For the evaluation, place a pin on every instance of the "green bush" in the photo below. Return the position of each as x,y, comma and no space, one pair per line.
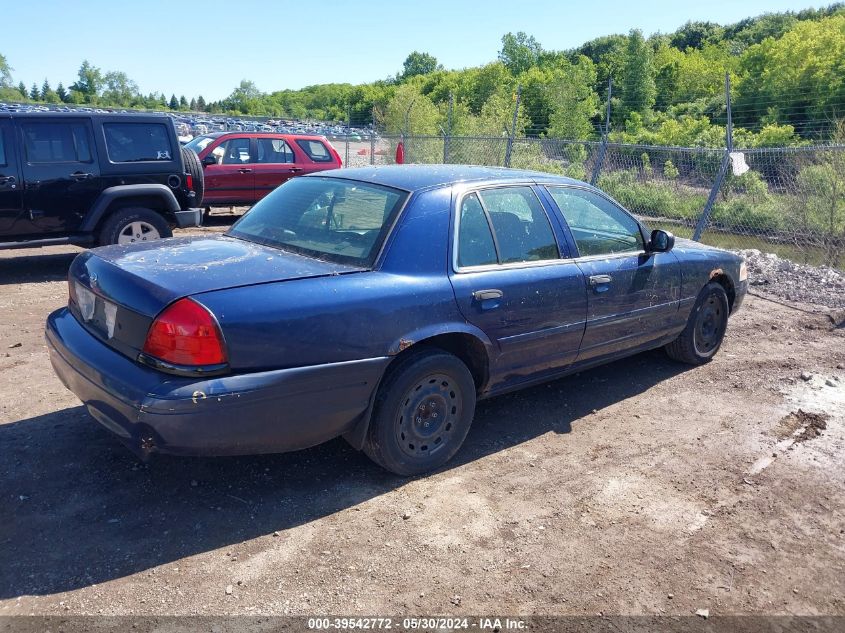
654,198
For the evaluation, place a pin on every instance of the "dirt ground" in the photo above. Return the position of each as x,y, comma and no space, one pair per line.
642,487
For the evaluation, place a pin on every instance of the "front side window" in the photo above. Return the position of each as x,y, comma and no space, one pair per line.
598,226
66,142
234,151
329,218
137,142
274,150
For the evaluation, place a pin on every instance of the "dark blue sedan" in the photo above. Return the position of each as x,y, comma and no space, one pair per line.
378,304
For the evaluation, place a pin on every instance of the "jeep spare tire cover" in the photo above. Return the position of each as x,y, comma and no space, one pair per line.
194,167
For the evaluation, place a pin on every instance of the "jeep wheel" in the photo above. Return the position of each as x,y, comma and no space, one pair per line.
194,168
133,225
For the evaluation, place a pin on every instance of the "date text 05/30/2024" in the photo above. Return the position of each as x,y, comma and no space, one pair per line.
417,623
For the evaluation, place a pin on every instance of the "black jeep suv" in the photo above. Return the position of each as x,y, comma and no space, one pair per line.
88,179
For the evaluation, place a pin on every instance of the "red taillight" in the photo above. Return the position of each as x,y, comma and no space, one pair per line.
189,182
186,334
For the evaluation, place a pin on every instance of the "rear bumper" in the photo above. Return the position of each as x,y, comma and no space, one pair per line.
264,412
190,217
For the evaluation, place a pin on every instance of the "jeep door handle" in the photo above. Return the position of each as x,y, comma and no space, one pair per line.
80,175
7,180
484,295
245,170
597,280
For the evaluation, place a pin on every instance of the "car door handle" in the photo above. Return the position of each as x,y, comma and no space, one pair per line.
80,175
597,280
296,169
484,295
245,170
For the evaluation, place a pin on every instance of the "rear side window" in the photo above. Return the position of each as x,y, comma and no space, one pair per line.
65,142
137,142
523,232
316,150
475,241
274,150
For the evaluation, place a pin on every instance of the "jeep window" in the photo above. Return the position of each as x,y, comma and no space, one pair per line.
199,143
67,142
137,142
316,151
338,220
274,150
3,161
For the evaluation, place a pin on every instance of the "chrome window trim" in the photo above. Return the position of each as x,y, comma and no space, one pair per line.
497,266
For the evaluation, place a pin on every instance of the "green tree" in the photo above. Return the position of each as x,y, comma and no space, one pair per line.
5,73
22,89
174,103
409,112
201,106
192,106
574,102
183,102
418,64
798,79
89,82
638,88
119,89
519,52
244,98
696,35
61,93
34,94
48,94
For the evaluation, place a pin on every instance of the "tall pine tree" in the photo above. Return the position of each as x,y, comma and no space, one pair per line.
638,88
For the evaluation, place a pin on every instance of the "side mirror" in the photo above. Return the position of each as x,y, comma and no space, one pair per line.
210,159
660,242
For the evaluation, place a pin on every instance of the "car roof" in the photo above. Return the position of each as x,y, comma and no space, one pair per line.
419,177
282,135
110,116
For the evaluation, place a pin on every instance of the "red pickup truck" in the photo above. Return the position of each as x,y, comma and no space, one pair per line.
241,168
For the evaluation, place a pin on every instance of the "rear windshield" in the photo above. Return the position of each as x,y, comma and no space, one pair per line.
328,218
316,150
137,142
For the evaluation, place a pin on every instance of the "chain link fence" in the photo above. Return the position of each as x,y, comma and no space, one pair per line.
790,201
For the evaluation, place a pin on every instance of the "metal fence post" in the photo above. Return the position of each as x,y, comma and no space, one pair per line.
512,134
373,139
603,147
448,136
723,168
348,127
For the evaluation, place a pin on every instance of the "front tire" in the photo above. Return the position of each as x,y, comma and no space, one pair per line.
132,226
422,414
705,329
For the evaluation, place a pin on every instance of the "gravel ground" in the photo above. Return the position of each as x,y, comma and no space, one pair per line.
640,487
798,283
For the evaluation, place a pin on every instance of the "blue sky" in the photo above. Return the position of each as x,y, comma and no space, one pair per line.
207,47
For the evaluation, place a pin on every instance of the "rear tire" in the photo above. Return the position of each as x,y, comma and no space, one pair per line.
705,329
193,166
423,411
133,225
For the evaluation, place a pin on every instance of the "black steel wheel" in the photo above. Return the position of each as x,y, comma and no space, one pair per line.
423,412
702,337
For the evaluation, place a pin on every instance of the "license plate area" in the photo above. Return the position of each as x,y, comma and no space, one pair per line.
97,313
